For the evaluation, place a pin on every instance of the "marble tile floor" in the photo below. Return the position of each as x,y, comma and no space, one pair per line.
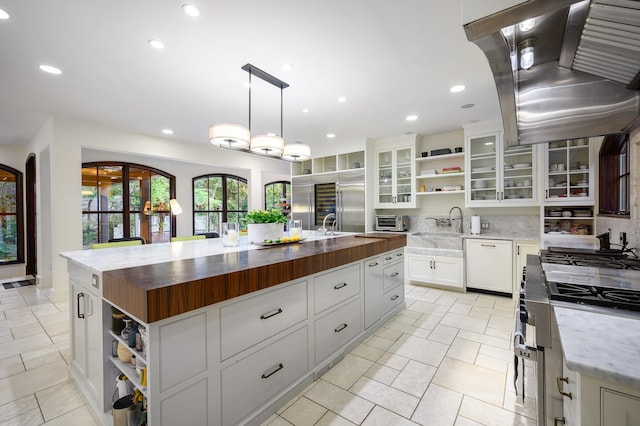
447,359
35,387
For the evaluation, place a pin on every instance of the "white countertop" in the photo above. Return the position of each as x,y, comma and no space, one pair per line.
148,254
602,346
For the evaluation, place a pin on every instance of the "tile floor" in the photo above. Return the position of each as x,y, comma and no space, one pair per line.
445,360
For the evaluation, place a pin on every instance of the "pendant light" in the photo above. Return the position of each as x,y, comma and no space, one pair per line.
228,135
296,151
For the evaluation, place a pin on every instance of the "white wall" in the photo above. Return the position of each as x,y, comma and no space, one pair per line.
63,144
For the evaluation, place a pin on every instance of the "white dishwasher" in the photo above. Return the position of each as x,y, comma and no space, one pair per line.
489,264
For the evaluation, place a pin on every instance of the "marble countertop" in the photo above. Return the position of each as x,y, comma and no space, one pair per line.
600,345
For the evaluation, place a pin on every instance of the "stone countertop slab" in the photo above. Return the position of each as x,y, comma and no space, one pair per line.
427,251
602,346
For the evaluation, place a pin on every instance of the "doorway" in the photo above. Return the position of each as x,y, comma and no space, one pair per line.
31,216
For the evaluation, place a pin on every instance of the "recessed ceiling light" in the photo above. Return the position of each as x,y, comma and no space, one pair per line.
305,110
191,10
50,69
467,106
331,135
456,89
156,44
167,131
412,117
287,67
342,99
3,15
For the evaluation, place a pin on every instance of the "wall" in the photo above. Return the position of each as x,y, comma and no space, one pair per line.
632,225
63,144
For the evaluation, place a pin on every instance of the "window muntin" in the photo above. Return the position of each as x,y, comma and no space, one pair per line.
219,198
11,236
277,195
121,200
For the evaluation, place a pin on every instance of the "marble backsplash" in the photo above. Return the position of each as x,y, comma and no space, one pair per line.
432,231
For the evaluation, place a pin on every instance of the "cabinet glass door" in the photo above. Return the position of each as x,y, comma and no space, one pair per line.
518,175
404,178
568,170
385,177
483,162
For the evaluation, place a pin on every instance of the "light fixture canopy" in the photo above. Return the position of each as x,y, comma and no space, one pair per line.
296,151
229,135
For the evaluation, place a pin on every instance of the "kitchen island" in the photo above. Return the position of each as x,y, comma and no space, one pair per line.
233,334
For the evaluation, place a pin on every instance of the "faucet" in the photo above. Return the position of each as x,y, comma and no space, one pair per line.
461,217
323,230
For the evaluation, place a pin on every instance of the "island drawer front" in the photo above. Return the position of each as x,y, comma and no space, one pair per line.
393,256
336,286
255,379
393,275
253,320
392,298
336,329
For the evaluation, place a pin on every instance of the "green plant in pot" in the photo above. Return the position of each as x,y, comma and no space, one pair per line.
265,225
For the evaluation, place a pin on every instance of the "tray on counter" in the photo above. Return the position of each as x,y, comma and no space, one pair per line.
273,243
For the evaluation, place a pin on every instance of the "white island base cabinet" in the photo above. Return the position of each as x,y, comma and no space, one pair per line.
238,361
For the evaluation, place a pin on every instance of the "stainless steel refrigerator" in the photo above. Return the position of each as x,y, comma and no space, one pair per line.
313,197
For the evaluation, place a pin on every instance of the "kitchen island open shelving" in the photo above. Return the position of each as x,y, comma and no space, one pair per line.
233,334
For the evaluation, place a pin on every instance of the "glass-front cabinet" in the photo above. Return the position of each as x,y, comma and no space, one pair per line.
498,174
395,183
569,166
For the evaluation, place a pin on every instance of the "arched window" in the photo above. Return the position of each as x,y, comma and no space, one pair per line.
11,220
124,200
614,176
219,198
277,195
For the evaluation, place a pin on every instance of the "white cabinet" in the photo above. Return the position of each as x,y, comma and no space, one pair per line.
372,290
439,270
497,174
336,329
329,164
395,169
521,250
336,286
569,172
489,265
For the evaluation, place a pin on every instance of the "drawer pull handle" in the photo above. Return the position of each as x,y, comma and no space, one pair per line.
371,265
388,258
271,314
78,300
395,274
274,371
559,381
340,328
558,421
339,286
399,254
394,297
488,245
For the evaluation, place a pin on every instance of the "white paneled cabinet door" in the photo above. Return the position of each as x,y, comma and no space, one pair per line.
78,328
489,265
94,370
372,290
395,183
420,268
448,271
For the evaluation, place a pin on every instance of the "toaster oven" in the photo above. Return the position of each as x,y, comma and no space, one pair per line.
391,222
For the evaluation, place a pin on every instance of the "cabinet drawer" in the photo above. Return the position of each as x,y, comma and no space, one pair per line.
393,275
253,320
336,329
253,380
336,286
392,256
392,298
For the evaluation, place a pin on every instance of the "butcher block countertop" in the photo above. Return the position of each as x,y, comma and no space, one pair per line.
159,290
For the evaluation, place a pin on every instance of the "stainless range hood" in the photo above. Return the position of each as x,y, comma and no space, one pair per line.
585,75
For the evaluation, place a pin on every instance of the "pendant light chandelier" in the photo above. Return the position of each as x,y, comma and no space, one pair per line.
235,136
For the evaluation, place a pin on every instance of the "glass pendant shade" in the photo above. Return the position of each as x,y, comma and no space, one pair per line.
227,135
271,146
296,152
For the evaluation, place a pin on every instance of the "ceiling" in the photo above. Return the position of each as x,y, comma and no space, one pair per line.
389,59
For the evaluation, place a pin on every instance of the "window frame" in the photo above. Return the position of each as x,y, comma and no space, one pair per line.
126,211
224,211
19,215
614,177
284,184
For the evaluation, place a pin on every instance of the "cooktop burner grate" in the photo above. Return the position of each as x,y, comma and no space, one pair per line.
595,261
590,295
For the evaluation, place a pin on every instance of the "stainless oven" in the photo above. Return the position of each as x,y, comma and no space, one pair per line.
391,222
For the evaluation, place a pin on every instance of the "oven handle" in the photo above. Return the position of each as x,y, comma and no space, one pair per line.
520,347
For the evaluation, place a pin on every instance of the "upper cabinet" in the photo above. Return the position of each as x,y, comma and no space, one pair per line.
569,166
329,164
498,175
395,169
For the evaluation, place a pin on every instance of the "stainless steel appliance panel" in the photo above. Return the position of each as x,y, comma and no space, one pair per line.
350,202
302,201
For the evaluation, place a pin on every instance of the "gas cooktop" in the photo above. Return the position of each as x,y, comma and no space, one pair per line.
594,261
591,295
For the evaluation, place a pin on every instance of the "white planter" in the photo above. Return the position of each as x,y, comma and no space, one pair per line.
258,232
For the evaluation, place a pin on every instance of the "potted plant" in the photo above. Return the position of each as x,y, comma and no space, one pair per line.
265,225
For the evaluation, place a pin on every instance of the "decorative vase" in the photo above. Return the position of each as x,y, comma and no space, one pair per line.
123,353
258,232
